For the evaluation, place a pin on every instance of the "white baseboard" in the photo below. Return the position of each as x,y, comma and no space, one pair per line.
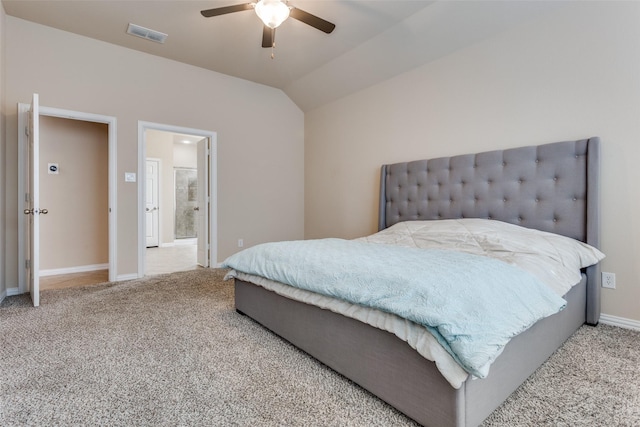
124,277
189,241
71,270
3,295
608,319
13,291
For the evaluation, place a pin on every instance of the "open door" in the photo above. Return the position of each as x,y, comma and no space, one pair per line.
202,210
152,204
32,200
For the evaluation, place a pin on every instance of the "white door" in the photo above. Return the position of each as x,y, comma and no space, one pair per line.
202,210
152,205
32,201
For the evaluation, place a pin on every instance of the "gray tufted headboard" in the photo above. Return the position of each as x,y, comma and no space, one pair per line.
551,187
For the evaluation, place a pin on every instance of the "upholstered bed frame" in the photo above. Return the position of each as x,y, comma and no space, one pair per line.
551,187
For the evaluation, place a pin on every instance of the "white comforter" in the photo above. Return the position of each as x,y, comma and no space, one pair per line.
555,260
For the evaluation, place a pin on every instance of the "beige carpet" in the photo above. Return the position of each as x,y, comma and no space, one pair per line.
170,350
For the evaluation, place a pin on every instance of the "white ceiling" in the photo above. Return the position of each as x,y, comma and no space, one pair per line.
373,40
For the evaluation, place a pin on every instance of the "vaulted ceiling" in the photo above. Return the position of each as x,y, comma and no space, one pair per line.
373,40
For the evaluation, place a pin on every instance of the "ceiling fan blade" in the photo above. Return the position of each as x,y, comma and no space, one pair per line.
312,20
226,9
268,36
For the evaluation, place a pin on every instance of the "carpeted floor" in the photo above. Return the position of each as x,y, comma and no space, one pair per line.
171,350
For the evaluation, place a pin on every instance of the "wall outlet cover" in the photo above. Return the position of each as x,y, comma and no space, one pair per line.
608,280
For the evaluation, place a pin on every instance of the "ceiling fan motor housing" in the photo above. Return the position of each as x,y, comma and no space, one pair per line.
272,12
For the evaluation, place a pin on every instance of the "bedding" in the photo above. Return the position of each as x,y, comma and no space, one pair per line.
556,260
416,336
473,334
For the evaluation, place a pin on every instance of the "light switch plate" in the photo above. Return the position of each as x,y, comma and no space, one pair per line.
129,177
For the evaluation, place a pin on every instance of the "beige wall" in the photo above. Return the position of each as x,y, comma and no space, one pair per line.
3,284
260,131
572,75
185,155
75,232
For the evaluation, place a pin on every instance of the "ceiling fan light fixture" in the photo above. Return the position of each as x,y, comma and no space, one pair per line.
272,12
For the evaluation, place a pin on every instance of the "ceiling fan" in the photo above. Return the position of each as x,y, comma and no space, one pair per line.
273,13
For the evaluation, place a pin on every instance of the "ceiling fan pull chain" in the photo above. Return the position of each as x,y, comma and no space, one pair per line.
273,47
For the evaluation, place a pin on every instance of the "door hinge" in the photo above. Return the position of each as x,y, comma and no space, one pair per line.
27,264
26,130
27,197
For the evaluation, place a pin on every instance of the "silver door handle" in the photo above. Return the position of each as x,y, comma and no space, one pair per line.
196,208
152,209
36,211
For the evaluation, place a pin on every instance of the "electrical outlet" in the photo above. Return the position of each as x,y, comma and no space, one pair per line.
608,280
240,243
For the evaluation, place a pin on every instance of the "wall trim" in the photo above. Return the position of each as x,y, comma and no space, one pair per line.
185,242
124,277
71,270
622,322
14,291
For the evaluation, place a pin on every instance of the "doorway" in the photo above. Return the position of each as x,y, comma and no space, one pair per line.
28,190
178,193
74,188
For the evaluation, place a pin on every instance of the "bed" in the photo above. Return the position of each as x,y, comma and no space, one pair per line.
551,187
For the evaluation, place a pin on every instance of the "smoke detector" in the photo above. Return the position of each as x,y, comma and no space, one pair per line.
146,33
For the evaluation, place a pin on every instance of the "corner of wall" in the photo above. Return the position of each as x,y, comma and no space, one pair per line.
3,180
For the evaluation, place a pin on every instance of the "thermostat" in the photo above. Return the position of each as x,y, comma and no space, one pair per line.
52,168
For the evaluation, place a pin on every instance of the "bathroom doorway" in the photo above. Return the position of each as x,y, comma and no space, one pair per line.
179,199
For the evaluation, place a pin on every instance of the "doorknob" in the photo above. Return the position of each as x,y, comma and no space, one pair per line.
196,208
36,211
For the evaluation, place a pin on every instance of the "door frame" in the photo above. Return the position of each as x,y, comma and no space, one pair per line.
212,237
111,122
